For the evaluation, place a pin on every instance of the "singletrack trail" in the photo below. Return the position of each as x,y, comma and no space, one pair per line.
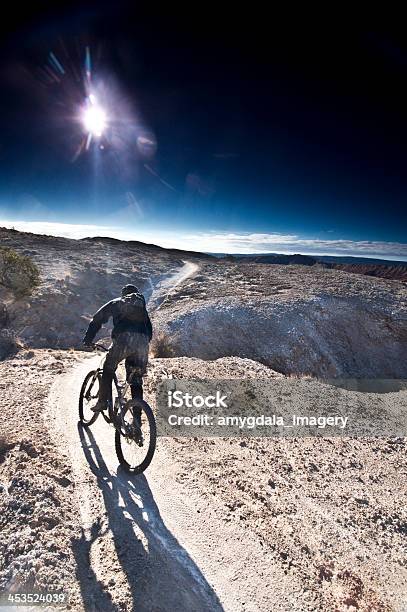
148,543
162,292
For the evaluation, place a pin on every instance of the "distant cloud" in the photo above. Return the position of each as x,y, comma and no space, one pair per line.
221,242
290,243
67,230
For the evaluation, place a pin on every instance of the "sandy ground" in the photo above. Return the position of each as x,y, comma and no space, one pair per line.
234,524
40,526
163,545
215,524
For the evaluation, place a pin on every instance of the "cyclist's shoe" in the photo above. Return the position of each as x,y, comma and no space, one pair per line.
99,406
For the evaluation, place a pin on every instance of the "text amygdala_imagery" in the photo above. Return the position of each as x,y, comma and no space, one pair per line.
252,407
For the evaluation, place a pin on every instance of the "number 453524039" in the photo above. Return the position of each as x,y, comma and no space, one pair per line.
40,599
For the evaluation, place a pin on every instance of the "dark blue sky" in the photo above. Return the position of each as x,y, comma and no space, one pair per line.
261,126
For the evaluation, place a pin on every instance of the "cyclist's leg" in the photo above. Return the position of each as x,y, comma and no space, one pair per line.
113,358
134,377
136,366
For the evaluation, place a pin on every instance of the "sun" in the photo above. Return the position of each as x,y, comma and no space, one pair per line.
94,118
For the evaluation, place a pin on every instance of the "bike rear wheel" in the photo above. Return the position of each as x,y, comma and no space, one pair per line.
88,397
133,451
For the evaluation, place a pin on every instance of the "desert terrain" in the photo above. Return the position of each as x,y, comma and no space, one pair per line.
396,270
231,524
295,319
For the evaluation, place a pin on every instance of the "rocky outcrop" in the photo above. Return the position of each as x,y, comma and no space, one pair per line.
295,319
303,260
378,268
76,278
380,271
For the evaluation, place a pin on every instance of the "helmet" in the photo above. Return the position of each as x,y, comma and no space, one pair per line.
127,289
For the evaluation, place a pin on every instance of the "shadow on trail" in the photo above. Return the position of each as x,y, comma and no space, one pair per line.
159,572
94,596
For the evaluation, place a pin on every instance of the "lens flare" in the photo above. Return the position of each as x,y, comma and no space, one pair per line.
104,119
94,118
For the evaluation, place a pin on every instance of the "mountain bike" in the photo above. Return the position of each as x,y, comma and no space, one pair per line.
135,439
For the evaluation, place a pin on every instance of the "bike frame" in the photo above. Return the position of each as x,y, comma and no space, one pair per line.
125,415
121,388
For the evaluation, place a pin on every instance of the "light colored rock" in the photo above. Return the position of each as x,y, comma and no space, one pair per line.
295,319
76,278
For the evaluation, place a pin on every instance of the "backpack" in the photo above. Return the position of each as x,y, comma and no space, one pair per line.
133,307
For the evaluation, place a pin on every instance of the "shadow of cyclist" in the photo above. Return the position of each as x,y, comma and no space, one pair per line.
159,572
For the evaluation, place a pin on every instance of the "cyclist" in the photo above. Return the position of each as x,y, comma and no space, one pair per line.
131,334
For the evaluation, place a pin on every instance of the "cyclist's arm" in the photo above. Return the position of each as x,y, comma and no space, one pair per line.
149,326
99,318
147,320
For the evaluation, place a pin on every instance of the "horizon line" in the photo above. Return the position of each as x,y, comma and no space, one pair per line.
218,243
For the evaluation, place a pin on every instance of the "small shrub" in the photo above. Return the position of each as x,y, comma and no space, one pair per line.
161,346
9,345
18,272
301,375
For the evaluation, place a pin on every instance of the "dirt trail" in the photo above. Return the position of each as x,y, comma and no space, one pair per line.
148,541
162,292
216,526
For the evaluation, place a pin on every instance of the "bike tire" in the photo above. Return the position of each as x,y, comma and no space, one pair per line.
152,444
82,419
111,414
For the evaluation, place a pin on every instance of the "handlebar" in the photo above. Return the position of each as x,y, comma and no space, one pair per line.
100,347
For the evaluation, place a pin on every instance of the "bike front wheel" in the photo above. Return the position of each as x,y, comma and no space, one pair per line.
135,445
88,397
